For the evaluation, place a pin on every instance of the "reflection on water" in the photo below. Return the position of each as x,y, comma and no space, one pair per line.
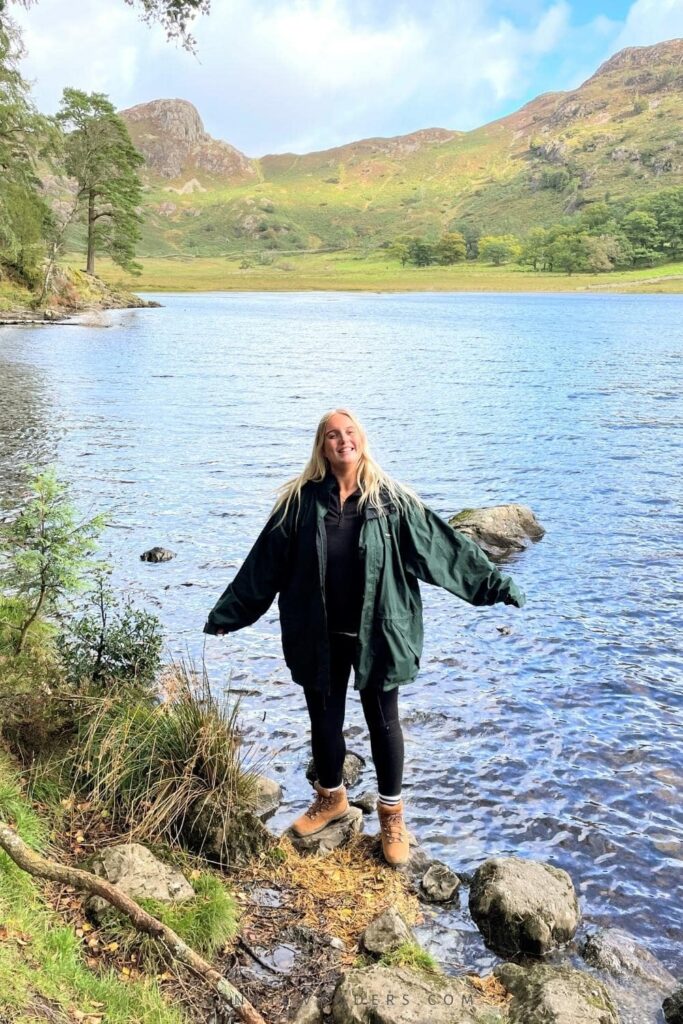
561,740
25,434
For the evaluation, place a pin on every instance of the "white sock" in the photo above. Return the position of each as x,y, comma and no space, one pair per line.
390,800
333,789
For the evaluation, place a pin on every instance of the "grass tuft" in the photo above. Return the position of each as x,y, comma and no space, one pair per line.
155,766
206,923
409,954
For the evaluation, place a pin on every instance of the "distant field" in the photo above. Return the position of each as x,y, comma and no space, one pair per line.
342,272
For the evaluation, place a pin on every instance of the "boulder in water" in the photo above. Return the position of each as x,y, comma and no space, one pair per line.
523,906
560,994
499,530
157,554
353,766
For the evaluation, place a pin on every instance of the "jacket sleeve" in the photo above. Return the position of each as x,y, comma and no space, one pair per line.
436,553
253,589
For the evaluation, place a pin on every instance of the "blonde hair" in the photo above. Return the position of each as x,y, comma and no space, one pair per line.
374,483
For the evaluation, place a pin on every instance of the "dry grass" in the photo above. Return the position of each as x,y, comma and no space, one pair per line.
491,989
340,893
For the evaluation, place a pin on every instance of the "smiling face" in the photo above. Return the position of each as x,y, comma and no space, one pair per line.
343,444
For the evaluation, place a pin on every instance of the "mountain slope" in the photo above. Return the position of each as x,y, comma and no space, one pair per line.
618,136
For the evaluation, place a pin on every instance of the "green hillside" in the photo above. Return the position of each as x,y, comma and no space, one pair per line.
616,138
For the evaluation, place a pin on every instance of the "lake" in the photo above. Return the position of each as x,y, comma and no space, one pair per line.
559,738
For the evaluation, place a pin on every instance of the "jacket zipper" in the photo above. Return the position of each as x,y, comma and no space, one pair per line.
322,567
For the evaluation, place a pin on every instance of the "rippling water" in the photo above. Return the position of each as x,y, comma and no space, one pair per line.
560,740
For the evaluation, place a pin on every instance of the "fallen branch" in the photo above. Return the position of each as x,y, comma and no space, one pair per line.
40,867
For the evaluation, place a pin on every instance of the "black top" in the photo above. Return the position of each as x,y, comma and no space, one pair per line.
344,573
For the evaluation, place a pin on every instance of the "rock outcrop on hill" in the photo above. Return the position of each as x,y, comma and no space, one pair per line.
170,135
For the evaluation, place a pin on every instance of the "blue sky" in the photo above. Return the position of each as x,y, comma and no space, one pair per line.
298,75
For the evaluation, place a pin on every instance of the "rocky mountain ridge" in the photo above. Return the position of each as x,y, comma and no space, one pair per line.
615,137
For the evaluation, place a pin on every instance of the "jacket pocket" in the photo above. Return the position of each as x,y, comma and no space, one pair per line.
395,648
298,645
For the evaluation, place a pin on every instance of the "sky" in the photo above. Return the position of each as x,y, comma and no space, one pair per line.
273,76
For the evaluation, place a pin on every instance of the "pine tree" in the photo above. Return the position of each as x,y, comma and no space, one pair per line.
101,157
25,136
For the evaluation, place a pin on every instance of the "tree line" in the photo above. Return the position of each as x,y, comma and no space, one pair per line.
602,238
77,168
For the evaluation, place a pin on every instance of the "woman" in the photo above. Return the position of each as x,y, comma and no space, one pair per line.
345,547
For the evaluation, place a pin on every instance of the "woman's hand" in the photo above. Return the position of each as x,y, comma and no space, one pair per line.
515,596
214,630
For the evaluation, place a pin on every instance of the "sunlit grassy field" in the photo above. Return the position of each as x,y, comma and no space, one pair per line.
344,272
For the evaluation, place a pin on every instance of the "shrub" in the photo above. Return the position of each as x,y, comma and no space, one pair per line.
115,643
29,716
47,552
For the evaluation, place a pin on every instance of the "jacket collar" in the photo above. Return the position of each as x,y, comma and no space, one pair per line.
324,487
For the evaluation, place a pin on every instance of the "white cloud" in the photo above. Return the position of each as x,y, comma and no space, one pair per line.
95,51
651,21
273,75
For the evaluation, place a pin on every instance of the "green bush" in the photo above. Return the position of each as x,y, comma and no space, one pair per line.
47,552
115,643
30,717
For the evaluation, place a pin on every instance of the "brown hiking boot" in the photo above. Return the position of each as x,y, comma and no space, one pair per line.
328,806
394,834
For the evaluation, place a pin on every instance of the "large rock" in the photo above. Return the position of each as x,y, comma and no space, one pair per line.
399,995
499,530
171,137
138,873
672,1007
231,840
613,950
353,766
337,833
386,933
523,906
267,797
635,978
545,994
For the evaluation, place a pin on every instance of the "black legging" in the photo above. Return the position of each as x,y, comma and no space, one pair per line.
380,708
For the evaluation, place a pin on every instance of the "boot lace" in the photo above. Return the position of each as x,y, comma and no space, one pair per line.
392,827
321,803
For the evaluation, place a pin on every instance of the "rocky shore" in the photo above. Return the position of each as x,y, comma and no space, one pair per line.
73,294
552,966
323,930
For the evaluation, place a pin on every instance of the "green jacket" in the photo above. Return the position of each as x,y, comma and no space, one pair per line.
398,549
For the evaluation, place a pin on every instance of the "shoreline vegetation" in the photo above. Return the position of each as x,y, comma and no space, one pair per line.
76,292
374,272
73,293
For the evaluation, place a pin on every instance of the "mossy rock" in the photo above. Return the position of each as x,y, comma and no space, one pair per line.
231,839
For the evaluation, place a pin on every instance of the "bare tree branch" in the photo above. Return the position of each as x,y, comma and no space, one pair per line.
41,867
